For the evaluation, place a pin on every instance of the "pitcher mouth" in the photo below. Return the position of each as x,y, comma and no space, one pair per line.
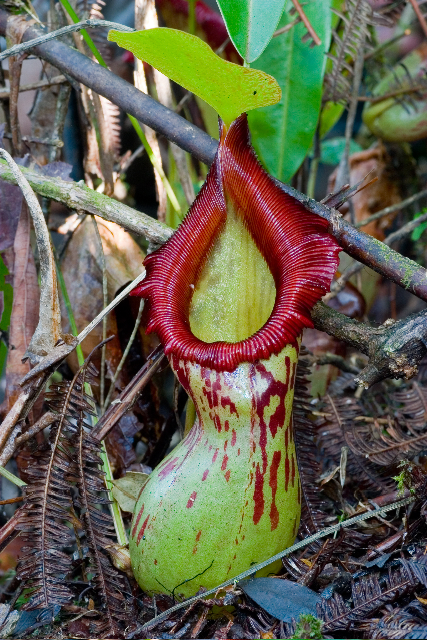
300,253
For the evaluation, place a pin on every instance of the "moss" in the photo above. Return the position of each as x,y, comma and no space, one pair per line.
308,626
405,265
404,479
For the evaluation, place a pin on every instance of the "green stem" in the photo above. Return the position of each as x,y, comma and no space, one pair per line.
155,163
192,17
12,478
114,507
86,37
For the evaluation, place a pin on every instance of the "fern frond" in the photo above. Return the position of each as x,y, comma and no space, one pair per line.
100,533
401,624
368,595
44,566
313,513
338,431
356,21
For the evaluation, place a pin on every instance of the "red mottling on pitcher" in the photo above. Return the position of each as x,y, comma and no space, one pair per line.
295,244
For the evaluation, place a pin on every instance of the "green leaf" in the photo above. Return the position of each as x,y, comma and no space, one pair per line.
418,231
229,88
330,115
283,135
7,290
126,490
331,150
249,25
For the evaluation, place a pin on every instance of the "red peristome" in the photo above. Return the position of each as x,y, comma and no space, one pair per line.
295,244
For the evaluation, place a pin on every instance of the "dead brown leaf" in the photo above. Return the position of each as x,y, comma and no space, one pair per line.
25,309
82,270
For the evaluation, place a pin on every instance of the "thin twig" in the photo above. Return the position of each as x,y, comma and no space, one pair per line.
47,141
299,545
287,27
18,49
391,209
113,304
128,396
405,230
306,22
125,354
128,161
355,267
392,94
40,84
104,320
16,440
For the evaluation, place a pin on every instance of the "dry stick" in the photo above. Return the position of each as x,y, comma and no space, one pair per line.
16,439
125,354
14,415
104,320
18,49
128,161
299,545
405,230
306,22
50,359
113,304
79,197
48,330
128,396
40,84
419,15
